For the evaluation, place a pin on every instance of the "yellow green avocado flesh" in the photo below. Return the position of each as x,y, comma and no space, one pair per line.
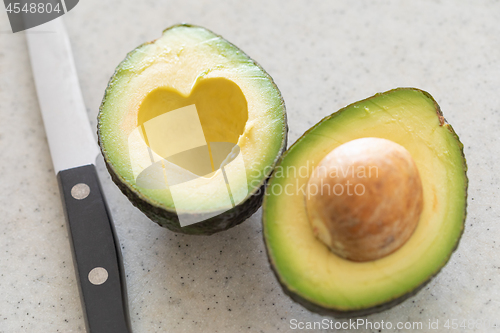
236,101
324,282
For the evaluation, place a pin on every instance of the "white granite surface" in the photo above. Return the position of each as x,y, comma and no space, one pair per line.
322,55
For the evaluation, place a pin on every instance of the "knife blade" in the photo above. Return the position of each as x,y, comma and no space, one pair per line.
95,247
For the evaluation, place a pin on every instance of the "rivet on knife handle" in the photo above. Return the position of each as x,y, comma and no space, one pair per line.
96,251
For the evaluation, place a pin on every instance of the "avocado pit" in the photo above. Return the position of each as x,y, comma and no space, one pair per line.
364,199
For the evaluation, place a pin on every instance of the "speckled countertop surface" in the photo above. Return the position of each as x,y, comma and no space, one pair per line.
322,55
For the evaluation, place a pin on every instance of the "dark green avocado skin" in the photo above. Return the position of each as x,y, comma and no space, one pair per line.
313,307
168,219
336,313
221,222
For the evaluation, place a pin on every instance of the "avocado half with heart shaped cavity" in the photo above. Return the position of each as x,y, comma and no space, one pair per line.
191,128
367,206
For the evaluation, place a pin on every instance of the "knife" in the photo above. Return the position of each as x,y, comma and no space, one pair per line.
96,251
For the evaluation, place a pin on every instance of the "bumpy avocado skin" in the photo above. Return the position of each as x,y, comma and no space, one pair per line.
313,307
167,218
338,313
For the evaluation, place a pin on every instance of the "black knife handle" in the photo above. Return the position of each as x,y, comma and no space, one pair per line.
96,251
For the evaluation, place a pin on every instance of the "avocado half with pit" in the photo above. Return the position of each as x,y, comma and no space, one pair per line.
192,127
353,250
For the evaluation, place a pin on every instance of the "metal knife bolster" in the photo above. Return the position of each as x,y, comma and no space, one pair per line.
96,252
